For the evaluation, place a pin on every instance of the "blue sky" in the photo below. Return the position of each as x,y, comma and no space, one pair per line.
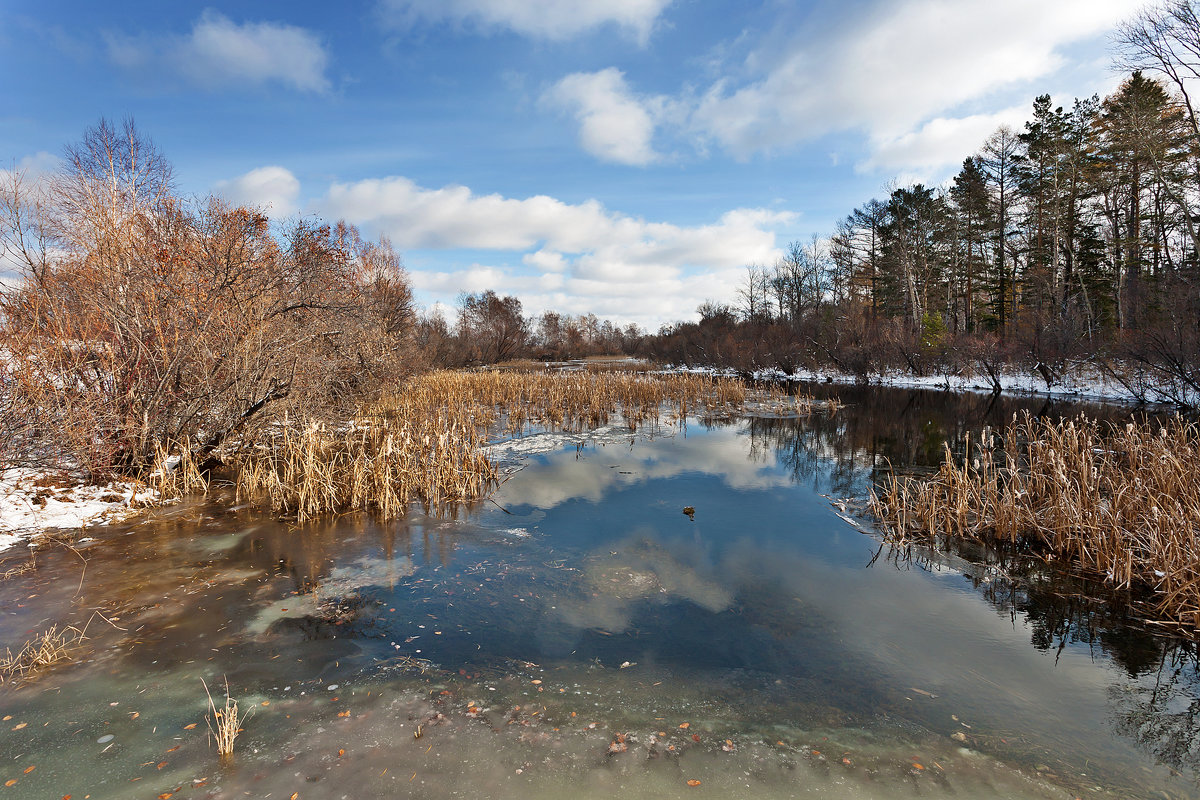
623,157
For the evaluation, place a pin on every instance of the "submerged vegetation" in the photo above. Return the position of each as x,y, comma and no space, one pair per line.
426,443
1122,501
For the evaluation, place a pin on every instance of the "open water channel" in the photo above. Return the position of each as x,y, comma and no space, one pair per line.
579,635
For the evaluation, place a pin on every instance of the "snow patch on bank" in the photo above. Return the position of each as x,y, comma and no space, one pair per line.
1078,386
1083,384
541,443
32,502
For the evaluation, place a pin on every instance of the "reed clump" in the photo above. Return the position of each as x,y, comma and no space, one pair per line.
224,724
53,646
176,471
427,442
1122,501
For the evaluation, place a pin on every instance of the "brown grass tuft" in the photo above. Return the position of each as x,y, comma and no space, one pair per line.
1120,501
225,723
426,442
176,472
53,646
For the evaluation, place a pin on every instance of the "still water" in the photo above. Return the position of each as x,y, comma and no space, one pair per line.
578,634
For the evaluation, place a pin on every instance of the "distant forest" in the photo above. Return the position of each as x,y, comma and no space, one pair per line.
1074,238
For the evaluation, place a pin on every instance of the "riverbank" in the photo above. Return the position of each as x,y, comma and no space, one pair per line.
1083,384
32,502
424,444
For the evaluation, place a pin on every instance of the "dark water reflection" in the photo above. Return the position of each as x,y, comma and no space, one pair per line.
828,662
847,454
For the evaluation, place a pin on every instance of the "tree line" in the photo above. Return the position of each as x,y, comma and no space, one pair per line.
1073,237
490,329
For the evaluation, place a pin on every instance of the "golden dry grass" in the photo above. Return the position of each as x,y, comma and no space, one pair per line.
426,443
176,472
53,646
1120,501
224,724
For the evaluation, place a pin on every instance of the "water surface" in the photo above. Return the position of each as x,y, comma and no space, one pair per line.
579,633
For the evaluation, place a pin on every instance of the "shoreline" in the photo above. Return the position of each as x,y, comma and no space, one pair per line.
1090,389
33,502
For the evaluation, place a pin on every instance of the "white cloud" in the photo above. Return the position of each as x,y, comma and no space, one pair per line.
939,143
221,53
273,188
544,19
910,61
37,166
613,124
454,217
546,261
583,256
914,76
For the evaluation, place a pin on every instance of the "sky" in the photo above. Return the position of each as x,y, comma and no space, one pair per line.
627,158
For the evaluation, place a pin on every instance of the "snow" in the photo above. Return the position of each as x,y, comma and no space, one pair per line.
27,508
1080,384
543,442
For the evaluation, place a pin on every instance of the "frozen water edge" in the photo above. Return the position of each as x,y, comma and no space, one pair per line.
27,508
1078,386
542,442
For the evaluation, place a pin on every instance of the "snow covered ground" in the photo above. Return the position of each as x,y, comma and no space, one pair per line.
31,502
1083,384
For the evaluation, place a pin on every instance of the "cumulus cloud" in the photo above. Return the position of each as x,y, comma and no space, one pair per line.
273,188
911,76
938,142
455,217
573,258
910,61
543,19
613,124
220,53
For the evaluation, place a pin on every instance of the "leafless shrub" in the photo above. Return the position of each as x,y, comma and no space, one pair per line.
142,318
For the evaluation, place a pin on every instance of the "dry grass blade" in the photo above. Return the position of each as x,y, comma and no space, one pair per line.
176,472
225,723
53,646
426,443
1120,501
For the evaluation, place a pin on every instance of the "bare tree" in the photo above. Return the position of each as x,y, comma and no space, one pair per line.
753,294
492,326
1165,38
147,319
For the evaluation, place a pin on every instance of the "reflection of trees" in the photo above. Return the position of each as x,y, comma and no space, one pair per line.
1163,715
881,429
1157,704
307,554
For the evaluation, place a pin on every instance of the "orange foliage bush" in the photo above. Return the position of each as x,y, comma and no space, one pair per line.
142,318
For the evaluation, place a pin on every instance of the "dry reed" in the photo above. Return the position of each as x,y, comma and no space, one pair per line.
225,723
52,646
426,443
175,475
1120,501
